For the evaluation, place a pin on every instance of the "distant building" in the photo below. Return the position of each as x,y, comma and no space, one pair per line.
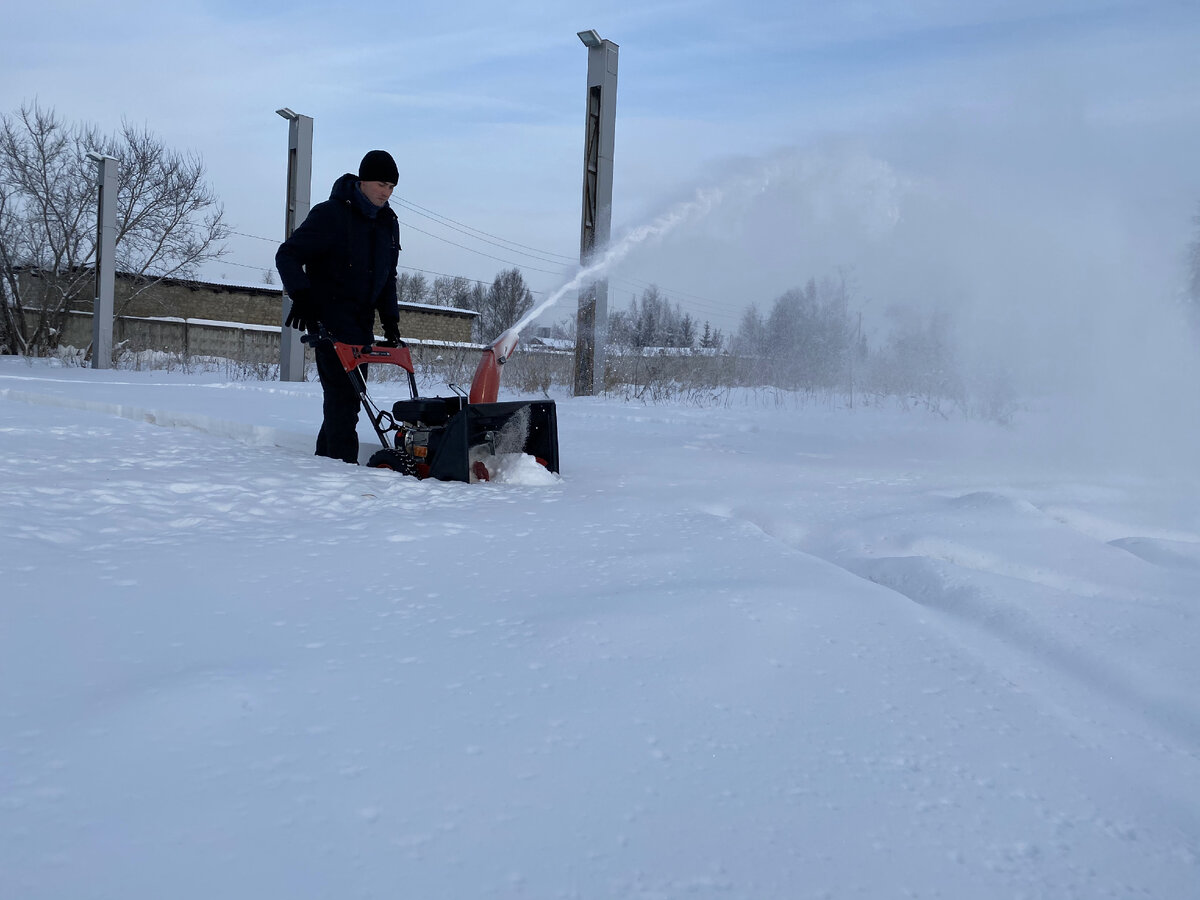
542,341
188,316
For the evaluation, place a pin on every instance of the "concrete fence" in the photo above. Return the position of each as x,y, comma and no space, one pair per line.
225,340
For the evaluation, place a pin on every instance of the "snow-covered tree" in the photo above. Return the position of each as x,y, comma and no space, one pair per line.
918,360
652,321
805,340
750,341
712,338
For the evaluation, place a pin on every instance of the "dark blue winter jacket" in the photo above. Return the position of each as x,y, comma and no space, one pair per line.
345,259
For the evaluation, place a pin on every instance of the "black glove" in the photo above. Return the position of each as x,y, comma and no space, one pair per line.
303,314
391,334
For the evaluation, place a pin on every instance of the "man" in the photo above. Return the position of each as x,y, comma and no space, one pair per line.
339,268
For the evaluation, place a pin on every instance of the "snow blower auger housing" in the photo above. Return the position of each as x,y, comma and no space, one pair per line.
451,438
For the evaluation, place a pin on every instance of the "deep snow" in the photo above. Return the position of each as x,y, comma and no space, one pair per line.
754,652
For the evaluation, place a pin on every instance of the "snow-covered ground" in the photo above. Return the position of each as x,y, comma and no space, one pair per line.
746,652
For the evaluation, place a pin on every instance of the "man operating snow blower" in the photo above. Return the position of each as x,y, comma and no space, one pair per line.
339,269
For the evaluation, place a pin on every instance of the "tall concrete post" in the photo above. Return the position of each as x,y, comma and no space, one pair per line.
106,249
299,198
591,321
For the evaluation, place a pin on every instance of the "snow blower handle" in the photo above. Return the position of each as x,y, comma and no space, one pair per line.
352,356
315,340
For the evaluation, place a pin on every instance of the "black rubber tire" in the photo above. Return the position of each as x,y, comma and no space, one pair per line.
396,460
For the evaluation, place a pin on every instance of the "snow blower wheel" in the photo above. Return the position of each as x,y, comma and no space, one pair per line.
396,460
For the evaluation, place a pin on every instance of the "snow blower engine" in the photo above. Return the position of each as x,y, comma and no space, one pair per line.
451,438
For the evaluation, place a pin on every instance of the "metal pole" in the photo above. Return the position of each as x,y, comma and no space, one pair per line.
299,196
591,323
106,249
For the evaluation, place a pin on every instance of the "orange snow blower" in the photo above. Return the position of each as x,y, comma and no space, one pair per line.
451,438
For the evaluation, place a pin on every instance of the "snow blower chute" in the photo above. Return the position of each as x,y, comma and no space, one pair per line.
452,438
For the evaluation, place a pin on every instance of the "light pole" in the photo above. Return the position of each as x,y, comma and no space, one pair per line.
299,196
106,249
591,322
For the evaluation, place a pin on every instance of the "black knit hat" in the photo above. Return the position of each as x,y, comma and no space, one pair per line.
378,165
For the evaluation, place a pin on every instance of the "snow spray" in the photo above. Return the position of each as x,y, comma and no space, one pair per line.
700,205
485,385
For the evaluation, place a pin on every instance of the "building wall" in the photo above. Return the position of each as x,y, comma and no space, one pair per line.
262,307
428,323
202,301
228,340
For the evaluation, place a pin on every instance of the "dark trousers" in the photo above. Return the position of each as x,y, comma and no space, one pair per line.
338,437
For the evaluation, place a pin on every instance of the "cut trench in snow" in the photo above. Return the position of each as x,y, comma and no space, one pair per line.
945,588
250,435
1181,555
974,596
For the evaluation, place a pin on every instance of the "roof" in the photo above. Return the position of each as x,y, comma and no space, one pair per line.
274,290
261,290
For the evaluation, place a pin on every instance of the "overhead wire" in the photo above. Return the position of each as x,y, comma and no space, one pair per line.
470,231
514,247
487,237
473,250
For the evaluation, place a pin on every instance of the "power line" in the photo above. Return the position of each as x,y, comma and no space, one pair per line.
227,262
437,237
480,252
668,294
463,277
713,306
471,231
486,236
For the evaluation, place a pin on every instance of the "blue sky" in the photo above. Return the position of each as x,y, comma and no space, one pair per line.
1050,128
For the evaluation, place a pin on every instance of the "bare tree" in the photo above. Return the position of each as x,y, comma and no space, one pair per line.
169,221
503,305
918,363
412,288
750,341
451,290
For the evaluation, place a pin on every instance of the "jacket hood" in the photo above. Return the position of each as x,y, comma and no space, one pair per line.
344,191
343,188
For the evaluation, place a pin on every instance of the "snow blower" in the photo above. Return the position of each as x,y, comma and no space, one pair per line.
451,438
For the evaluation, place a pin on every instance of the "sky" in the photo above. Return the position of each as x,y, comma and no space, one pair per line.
941,153
771,650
